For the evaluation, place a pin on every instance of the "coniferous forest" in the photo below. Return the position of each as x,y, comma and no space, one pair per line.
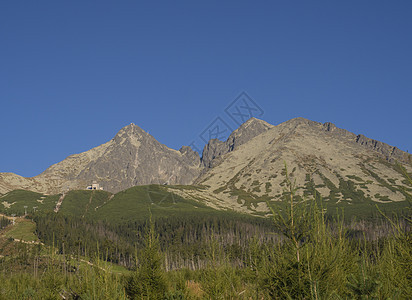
299,252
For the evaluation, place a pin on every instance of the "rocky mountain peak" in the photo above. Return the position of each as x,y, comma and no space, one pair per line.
328,126
131,133
190,156
247,131
130,130
299,121
136,158
252,125
254,120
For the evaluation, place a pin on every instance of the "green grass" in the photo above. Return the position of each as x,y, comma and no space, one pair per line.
354,177
20,198
136,202
367,210
86,262
23,230
83,203
114,268
129,205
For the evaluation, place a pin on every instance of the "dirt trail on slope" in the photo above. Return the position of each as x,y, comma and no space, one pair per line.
108,200
90,202
59,203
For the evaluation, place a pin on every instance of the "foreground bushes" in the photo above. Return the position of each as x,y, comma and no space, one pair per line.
323,264
87,283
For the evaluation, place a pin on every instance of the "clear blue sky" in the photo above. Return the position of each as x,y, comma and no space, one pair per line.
72,73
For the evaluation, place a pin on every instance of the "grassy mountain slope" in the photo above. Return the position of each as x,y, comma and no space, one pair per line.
14,202
83,202
135,204
132,204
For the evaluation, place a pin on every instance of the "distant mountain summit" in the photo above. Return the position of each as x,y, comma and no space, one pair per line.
132,157
242,172
248,130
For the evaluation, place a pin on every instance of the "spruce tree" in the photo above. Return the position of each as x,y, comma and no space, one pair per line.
148,281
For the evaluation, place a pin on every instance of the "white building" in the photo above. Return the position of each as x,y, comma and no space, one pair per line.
95,186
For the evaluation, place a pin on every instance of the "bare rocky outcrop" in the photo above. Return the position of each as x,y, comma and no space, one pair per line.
390,153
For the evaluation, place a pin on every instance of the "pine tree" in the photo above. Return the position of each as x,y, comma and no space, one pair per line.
148,281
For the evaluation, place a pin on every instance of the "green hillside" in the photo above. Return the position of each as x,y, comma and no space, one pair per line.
83,203
129,205
15,202
135,203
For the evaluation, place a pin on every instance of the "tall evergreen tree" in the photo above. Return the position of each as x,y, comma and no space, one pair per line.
148,281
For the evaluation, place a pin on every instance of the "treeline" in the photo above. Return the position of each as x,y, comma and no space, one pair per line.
183,239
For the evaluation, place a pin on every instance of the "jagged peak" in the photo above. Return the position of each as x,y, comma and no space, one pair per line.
252,123
254,120
187,149
247,131
131,133
130,130
300,123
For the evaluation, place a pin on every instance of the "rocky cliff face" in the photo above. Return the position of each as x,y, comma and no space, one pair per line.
390,153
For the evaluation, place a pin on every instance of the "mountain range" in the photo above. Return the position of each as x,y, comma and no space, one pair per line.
243,172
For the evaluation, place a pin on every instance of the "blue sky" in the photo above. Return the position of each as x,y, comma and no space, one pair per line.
72,73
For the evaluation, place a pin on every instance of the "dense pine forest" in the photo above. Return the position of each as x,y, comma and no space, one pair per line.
297,253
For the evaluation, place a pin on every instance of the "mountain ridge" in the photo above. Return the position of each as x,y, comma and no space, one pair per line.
134,157
332,165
